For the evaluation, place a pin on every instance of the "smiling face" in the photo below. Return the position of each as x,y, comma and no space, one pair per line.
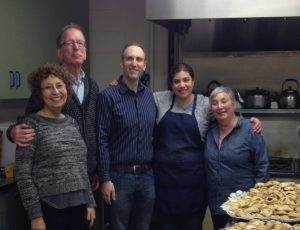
182,84
72,50
54,93
133,63
223,108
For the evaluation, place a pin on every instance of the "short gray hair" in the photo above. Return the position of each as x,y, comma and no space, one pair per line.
222,89
65,28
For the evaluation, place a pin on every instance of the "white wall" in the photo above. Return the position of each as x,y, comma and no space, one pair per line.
113,24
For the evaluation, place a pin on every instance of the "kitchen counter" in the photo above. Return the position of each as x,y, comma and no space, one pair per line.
12,213
286,178
6,183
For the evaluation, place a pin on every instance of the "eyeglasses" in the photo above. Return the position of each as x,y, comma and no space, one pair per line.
80,44
51,88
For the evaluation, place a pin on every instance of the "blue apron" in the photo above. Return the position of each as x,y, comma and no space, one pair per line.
179,164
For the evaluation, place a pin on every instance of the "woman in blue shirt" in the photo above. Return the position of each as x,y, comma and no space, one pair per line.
236,157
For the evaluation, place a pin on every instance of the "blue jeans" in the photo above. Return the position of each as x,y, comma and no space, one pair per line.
135,194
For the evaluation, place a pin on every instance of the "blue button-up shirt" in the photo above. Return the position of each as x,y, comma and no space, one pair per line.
125,123
239,163
78,88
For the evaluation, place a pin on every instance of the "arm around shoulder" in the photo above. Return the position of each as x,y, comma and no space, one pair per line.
21,134
14,134
8,132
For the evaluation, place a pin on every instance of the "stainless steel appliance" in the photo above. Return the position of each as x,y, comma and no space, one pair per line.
213,25
257,99
289,98
286,168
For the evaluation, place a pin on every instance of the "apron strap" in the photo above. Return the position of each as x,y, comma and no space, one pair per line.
173,101
194,103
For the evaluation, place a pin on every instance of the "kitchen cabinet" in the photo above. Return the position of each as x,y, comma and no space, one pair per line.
28,34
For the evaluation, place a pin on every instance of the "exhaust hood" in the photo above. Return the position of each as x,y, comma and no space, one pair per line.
231,25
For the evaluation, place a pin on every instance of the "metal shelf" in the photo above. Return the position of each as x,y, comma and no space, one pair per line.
271,112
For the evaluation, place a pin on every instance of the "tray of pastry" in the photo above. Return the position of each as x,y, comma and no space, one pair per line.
264,225
272,200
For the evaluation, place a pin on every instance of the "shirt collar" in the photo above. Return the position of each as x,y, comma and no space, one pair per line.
123,88
82,76
240,116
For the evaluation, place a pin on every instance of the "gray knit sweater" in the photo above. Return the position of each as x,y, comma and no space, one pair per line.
53,164
84,114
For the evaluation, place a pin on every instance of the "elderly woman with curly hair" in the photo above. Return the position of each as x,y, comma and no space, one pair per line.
52,171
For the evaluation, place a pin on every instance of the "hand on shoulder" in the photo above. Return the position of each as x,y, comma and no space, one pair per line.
22,135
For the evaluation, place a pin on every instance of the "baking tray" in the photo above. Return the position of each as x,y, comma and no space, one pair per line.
238,194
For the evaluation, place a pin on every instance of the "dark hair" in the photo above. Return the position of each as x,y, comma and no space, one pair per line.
178,68
43,72
132,44
67,27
